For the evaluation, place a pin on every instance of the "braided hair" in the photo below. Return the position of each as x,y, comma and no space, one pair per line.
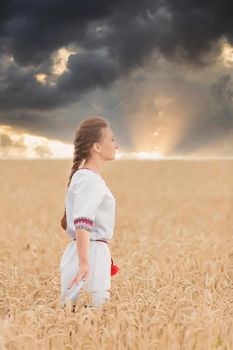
87,133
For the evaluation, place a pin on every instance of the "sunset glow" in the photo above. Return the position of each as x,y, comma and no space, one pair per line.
18,144
227,54
23,145
59,66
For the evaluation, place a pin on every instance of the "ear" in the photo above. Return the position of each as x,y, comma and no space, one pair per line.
97,147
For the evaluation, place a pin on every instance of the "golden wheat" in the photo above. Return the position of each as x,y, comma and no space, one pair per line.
172,241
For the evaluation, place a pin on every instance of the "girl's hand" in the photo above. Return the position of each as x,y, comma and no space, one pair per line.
83,273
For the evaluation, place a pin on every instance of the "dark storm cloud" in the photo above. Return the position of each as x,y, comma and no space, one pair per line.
127,32
112,40
217,123
38,123
85,70
222,91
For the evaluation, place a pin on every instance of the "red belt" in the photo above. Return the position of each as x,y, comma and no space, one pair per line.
101,240
114,268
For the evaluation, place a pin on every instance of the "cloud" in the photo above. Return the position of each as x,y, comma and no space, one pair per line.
111,40
43,151
11,146
216,120
111,64
5,141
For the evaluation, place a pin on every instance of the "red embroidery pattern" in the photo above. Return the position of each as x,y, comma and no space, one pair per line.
83,222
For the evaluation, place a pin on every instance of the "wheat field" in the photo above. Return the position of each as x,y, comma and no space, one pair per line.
173,242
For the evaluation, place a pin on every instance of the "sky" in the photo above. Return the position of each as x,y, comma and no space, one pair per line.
161,72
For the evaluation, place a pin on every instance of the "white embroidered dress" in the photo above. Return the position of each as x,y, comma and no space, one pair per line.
90,205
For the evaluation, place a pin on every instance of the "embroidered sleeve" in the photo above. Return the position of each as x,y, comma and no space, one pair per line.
88,194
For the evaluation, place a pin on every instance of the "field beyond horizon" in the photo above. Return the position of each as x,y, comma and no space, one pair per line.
173,242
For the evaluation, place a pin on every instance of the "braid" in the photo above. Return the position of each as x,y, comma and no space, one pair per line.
77,160
76,164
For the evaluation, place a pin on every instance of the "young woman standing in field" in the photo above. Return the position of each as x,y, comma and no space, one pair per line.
89,214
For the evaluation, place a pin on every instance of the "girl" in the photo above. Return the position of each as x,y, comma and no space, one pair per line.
89,213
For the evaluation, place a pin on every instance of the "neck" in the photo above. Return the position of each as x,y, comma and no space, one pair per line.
94,164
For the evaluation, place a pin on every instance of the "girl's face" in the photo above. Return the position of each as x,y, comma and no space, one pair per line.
108,144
